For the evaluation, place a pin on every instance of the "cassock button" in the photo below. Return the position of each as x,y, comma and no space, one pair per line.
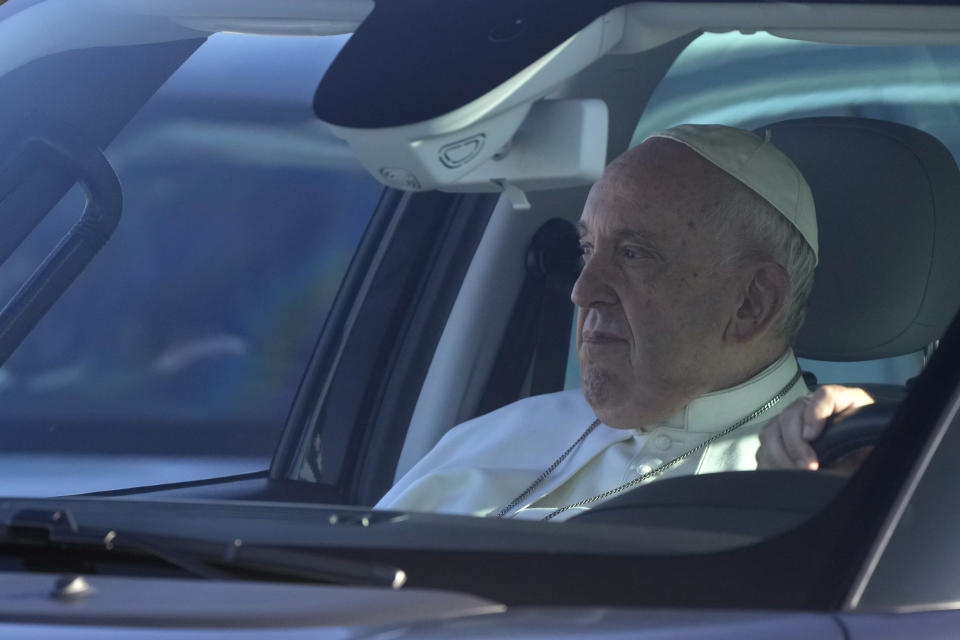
662,442
646,466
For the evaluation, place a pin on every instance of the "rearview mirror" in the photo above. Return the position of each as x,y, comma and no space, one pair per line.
478,120
559,143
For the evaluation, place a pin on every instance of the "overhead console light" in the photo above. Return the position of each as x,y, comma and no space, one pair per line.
551,143
473,118
560,143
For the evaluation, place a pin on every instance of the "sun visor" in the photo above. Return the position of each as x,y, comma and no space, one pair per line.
483,133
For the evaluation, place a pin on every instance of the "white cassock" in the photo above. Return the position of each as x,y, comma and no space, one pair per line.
482,465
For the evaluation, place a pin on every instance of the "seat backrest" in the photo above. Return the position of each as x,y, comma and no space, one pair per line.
888,208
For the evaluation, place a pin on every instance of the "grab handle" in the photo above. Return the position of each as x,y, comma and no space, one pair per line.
45,154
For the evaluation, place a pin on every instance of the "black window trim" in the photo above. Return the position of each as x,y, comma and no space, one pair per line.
319,372
382,330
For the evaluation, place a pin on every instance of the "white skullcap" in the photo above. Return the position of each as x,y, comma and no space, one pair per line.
759,165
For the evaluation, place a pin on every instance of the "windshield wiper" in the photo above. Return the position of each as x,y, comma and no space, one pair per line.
33,528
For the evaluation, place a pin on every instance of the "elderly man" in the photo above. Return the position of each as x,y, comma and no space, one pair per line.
699,247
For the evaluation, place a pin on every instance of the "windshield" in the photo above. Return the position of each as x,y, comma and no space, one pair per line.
184,341
272,341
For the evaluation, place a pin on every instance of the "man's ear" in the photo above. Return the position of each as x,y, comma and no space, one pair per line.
764,299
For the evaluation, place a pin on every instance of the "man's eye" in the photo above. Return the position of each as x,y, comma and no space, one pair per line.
585,252
632,253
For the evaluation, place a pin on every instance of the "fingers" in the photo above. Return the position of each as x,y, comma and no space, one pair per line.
772,453
796,444
784,441
831,400
782,445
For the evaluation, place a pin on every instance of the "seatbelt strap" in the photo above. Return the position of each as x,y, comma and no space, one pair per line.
553,338
539,330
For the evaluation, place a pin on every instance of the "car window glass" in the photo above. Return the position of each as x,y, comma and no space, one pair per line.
185,339
918,566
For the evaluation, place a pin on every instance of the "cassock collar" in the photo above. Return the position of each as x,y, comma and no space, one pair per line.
722,408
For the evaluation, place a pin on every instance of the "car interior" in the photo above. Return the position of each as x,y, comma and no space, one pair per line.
876,184
494,319
456,182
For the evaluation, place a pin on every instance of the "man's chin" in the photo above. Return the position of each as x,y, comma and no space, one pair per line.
612,402
597,385
604,395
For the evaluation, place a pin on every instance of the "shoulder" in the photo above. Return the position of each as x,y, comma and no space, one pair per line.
511,435
498,447
533,416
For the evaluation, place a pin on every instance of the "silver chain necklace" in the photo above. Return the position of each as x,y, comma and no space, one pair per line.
663,467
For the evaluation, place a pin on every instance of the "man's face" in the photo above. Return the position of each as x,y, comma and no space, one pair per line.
655,296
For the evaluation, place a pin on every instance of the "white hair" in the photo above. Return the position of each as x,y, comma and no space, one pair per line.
766,234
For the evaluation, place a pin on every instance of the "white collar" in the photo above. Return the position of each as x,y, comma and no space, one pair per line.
719,409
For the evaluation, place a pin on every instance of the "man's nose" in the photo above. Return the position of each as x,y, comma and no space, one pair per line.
593,286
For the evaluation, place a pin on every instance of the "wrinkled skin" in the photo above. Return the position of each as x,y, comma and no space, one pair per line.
667,312
660,299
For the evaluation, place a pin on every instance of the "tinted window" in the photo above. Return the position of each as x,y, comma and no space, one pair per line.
189,333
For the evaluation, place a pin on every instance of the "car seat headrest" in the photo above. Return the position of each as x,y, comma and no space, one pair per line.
888,209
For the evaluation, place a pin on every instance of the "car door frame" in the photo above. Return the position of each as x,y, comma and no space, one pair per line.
349,418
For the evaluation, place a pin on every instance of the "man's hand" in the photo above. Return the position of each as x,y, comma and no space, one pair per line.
784,440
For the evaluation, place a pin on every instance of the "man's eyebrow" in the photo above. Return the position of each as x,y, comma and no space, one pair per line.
622,234
632,234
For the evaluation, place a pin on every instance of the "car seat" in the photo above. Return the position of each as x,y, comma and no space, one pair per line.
888,210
